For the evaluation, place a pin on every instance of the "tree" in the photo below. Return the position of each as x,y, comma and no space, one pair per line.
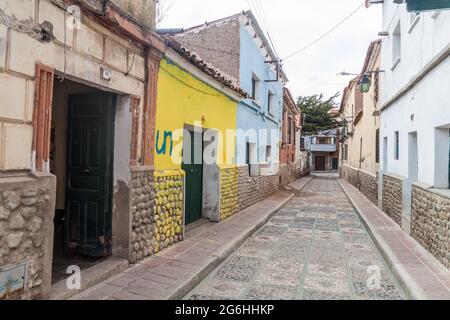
316,112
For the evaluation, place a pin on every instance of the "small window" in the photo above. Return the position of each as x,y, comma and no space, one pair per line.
376,86
289,130
324,140
377,146
268,153
270,102
397,145
396,46
302,144
255,88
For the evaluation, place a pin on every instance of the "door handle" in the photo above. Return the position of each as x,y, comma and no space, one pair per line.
86,171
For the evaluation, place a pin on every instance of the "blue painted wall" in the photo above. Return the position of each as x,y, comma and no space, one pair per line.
252,115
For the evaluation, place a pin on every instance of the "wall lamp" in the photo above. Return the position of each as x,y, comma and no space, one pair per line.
364,80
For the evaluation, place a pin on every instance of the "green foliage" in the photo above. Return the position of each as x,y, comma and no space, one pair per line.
316,113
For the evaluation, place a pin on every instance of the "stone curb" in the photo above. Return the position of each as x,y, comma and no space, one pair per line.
407,282
214,261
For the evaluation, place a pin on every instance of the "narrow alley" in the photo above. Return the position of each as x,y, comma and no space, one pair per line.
314,248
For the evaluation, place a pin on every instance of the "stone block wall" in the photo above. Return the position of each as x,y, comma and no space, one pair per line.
365,182
430,222
169,187
368,185
393,198
228,192
252,190
157,210
26,232
351,175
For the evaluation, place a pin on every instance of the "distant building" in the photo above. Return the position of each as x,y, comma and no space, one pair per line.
359,139
290,166
323,150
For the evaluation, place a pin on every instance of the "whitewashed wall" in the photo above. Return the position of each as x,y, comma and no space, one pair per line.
425,108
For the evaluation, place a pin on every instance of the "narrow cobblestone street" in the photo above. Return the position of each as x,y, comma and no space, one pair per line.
314,248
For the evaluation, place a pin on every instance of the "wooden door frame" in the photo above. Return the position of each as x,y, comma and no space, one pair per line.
42,117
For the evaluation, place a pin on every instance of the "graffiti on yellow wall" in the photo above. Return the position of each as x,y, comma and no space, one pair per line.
185,101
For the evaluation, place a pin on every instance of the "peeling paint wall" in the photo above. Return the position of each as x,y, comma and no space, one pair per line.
88,49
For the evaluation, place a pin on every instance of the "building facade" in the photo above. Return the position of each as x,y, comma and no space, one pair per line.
195,111
415,125
359,147
237,47
323,150
290,158
76,129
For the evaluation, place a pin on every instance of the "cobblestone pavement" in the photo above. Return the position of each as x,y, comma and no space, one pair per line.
316,248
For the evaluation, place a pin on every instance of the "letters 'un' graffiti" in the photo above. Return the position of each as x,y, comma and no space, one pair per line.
163,148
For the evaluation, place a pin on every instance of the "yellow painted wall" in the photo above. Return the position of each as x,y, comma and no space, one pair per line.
184,99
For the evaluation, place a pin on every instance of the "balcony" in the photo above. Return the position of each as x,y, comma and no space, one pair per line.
323,148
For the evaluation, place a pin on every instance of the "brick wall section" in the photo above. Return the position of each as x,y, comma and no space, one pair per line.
218,45
252,190
430,223
26,232
368,185
228,192
157,203
392,198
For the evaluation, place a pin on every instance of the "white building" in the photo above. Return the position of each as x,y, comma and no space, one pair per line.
323,150
415,123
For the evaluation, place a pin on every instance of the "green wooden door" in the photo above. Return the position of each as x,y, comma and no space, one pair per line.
194,177
89,174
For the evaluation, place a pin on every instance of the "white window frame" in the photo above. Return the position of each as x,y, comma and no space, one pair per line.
257,97
270,101
414,18
396,45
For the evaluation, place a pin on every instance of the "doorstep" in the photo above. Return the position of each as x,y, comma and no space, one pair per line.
419,273
90,277
174,272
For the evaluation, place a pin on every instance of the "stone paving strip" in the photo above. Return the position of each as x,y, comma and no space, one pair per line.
421,275
177,270
315,248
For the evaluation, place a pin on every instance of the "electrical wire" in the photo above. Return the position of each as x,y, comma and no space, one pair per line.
326,33
187,84
268,28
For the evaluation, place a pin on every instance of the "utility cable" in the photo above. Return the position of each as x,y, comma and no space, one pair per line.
326,33
187,84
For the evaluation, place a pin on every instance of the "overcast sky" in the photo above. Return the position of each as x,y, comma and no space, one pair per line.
293,25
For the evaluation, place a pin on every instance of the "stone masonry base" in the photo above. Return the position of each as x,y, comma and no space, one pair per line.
393,198
365,182
27,206
430,222
157,209
254,189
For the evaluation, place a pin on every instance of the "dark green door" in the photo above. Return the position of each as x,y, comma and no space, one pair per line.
193,166
89,174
